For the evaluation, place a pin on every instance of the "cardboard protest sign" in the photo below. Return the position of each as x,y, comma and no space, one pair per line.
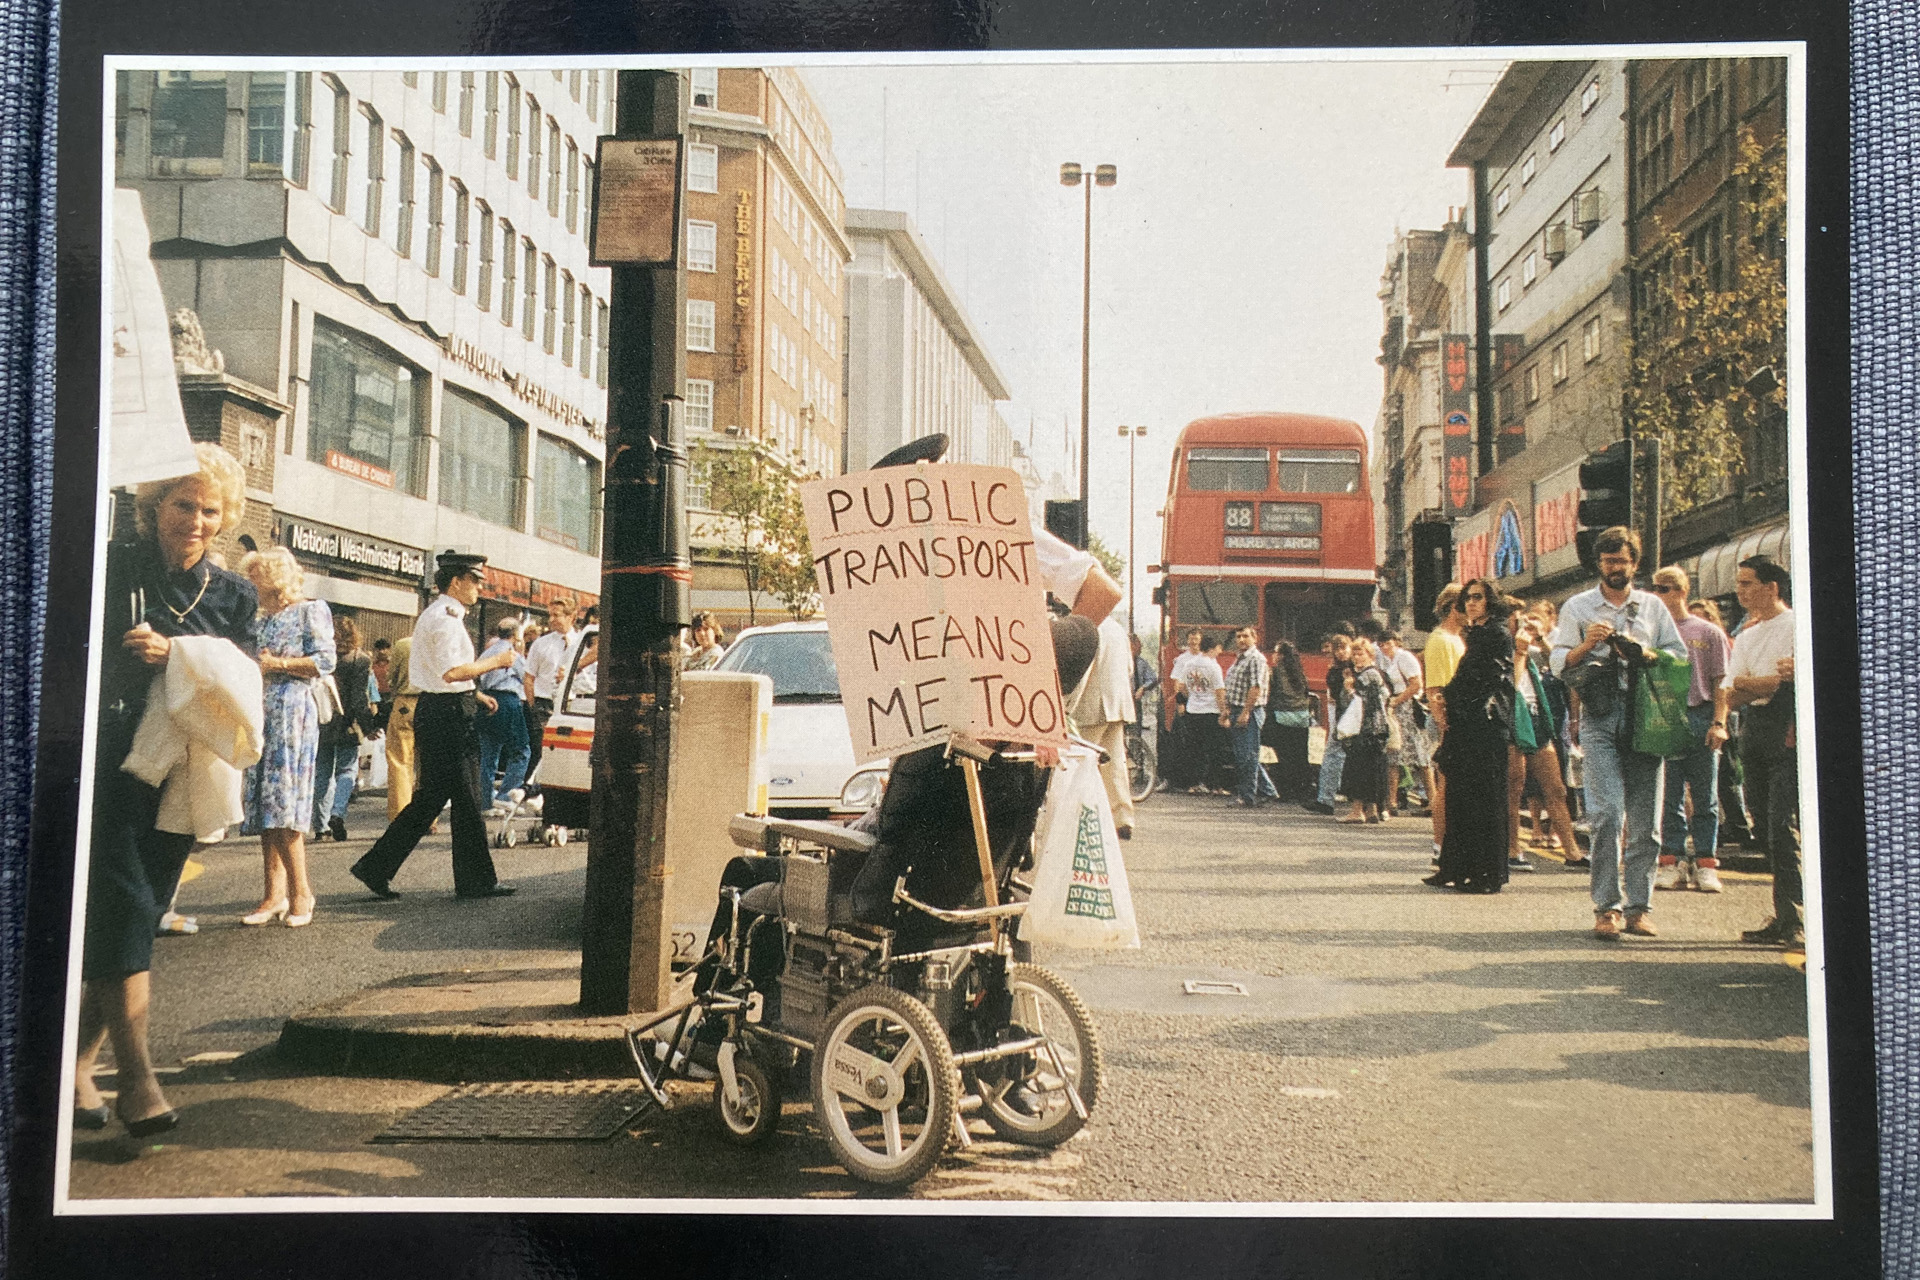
934,605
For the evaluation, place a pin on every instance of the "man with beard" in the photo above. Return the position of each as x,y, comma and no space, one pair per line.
1603,633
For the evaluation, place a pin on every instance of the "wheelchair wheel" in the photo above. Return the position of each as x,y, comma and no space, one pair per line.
1025,1099
884,1086
753,1117
1142,765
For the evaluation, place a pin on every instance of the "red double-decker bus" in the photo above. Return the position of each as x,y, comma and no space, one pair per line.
1269,522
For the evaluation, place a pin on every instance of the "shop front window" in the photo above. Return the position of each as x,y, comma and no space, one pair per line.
481,450
189,121
368,410
569,496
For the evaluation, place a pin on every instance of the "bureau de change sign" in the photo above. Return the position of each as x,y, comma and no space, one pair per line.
934,605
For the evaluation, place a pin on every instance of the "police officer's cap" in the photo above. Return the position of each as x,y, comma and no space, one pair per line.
926,449
460,561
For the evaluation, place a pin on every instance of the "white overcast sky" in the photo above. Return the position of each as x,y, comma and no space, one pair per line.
1235,265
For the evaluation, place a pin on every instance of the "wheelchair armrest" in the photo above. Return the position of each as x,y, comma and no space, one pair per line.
829,835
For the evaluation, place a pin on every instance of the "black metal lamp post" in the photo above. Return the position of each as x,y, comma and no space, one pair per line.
1071,176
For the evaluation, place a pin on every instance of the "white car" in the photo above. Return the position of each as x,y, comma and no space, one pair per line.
811,770
810,766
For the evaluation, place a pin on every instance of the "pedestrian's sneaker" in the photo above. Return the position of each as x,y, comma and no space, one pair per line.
1607,925
1519,865
1669,874
1706,875
1639,926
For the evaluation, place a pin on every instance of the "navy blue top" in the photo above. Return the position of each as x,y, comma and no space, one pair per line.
201,601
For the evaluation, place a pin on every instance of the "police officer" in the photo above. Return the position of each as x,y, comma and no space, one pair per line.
447,747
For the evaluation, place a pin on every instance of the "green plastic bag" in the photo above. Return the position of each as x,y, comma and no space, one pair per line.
1660,726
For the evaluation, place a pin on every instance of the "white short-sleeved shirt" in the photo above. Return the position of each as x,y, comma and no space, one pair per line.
1063,567
440,643
1200,674
1400,668
547,660
1758,648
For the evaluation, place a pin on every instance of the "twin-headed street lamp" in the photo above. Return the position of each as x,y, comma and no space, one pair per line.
1132,435
1071,175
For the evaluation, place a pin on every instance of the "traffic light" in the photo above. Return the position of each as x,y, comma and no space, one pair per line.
1067,521
1606,497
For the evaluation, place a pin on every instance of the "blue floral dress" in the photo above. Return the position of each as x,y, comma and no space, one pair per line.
279,789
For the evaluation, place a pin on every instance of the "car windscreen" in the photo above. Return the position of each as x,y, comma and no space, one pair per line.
800,664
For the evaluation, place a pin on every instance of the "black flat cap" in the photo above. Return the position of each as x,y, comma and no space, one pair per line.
462,561
926,449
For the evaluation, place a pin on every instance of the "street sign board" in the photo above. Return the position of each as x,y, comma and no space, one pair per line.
1456,433
636,206
934,605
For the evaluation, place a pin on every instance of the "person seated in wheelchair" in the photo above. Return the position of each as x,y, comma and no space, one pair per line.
923,829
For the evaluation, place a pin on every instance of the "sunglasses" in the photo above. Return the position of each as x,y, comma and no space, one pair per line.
1474,595
1666,589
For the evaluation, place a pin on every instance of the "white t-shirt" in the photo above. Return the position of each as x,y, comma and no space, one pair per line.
1399,669
440,643
1758,648
547,661
1200,674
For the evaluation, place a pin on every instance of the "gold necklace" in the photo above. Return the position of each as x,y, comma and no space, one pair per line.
180,615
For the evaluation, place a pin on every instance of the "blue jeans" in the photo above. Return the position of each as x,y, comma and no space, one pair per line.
334,768
1699,772
503,745
1623,791
1251,780
1332,765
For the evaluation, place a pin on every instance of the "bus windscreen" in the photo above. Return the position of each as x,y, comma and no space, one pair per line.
1232,470
1319,470
1217,604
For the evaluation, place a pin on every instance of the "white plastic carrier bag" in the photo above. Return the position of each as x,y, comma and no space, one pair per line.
1080,895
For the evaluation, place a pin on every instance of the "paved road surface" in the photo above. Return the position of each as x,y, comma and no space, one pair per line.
1394,1042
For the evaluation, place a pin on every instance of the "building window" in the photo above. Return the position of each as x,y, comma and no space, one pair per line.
568,484
1529,270
490,131
1556,135
573,185
699,325
411,79
440,91
1506,405
436,215
566,318
1707,251
267,120
1764,75
484,291
302,127
530,298
533,148
600,361
480,452
1557,363
1590,340
509,271
466,104
459,236
586,332
342,146
1502,200
403,213
703,167
699,414
1653,139
188,121
706,87
513,128
702,241
366,406
1706,104
1503,295
553,167
593,95
550,328
376,169
1528,168
573,85
1590,95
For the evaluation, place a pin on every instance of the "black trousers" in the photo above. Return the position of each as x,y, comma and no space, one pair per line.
447,768
1772,766
539,711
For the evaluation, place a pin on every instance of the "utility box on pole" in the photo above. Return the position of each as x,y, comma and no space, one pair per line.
645,572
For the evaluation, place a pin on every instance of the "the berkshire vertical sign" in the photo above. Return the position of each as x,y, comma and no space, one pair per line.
934,606
1456,430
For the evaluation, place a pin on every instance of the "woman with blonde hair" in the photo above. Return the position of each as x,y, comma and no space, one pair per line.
295,638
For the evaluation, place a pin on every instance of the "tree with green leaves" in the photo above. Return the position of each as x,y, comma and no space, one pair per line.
1713,317
763,526
1110,560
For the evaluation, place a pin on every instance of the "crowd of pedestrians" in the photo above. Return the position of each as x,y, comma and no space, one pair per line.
1518,718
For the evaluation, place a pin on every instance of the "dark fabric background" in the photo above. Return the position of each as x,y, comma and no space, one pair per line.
1886,335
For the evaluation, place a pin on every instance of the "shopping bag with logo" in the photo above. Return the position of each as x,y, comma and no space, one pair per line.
1660,726
1316,745
1080,895
1351,719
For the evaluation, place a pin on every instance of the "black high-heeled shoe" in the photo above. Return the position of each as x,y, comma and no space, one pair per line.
153,1126
91,1117
1439,880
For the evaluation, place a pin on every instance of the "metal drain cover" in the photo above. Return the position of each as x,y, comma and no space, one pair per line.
1213,987
524,1111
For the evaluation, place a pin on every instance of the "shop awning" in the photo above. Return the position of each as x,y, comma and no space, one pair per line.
1712,572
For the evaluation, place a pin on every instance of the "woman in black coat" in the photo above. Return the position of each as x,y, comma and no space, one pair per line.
1289,714
1479,700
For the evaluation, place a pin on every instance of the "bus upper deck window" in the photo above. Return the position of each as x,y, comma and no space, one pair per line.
1319,471
1233,470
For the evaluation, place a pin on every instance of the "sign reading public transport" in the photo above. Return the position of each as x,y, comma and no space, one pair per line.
934,605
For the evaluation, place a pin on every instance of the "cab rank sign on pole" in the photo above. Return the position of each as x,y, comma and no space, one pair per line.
934,606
